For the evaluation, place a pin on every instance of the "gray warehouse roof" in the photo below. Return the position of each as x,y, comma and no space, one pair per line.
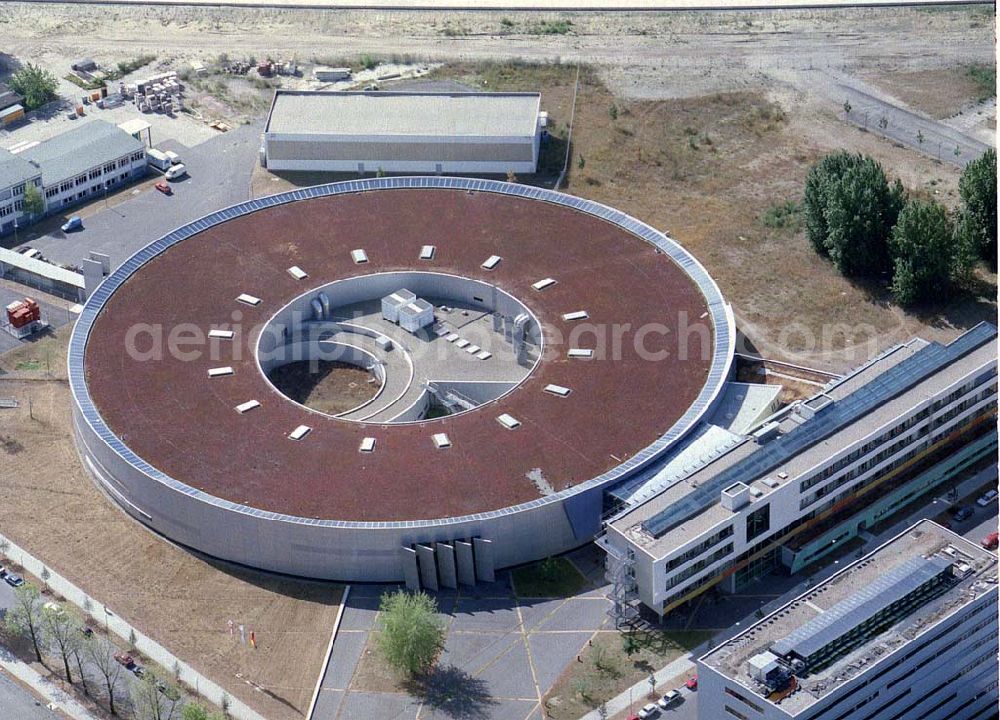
80,149
15,170
405,113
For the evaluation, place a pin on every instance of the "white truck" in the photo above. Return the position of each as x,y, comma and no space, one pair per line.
158,159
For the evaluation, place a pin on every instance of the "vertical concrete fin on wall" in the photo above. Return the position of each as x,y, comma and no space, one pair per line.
484,559
464,562
408,556
428,568
446,565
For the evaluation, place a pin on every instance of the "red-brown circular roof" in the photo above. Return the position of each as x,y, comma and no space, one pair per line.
173,416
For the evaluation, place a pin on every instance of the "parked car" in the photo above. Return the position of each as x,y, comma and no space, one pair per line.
164,188
74,223
125,660
29,251
649,711
991,541
986,499
963,513
669,699
175,171
138,670
692,683
14,580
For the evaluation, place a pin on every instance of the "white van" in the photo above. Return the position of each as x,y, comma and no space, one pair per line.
175,171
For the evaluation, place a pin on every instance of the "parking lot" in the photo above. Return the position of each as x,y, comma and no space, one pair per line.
218,176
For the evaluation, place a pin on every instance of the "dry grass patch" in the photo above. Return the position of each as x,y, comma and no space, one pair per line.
182,600
940,92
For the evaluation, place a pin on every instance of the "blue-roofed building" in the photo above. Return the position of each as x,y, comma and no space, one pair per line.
907,631
812,477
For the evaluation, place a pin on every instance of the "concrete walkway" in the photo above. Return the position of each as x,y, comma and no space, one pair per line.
44,687
103,615
638,692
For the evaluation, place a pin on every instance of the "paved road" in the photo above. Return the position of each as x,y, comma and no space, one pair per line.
18,703
218,176
908,128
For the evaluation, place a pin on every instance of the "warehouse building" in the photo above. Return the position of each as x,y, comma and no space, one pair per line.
403,132
907,631
812,477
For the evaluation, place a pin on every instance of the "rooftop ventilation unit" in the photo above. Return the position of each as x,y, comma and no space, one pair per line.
472,349
508,421
815,405
557,390
580,353
367,445
542,284
491,262
247,406
248,299
300,432
427,252
735,496
221,334
485,355
576,315
220,371
756,492
441,441
298,273
767,432
359,256
771,482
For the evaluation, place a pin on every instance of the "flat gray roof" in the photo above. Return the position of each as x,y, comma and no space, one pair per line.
630,524
925,541
403,113
15,170
78,150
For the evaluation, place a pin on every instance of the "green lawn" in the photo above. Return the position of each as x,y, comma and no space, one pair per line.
553,577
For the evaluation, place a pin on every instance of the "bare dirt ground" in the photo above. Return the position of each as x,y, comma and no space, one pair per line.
332,388
180,599
938,91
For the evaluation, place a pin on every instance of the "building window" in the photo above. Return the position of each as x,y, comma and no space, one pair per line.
19,189
19,205
66,186
51,192
81,180
736,714
6,210
758,522
109,168
95,174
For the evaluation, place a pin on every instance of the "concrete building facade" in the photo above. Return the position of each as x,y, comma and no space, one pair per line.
813,476
401,132
908,631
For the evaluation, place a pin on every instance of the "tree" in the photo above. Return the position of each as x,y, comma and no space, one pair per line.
978,189
922,253
33,202
850,211
45,577
511,177
102,652
4,546
80,652
37,85
154,699
25,618
65,633
193,711
410,635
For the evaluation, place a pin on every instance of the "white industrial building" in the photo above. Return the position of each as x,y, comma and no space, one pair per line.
908,631
812,477
81,163
403,132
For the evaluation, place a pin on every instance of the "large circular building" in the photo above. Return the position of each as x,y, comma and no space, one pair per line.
393,378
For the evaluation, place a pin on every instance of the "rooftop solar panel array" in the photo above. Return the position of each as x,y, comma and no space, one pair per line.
880,390
848,614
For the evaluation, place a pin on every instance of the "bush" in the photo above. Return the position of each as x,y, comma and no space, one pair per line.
783,216
37,85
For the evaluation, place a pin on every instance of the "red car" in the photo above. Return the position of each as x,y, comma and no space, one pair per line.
991,541
692,683
164,188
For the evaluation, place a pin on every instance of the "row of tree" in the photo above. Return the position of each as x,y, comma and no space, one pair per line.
868,226
54,632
